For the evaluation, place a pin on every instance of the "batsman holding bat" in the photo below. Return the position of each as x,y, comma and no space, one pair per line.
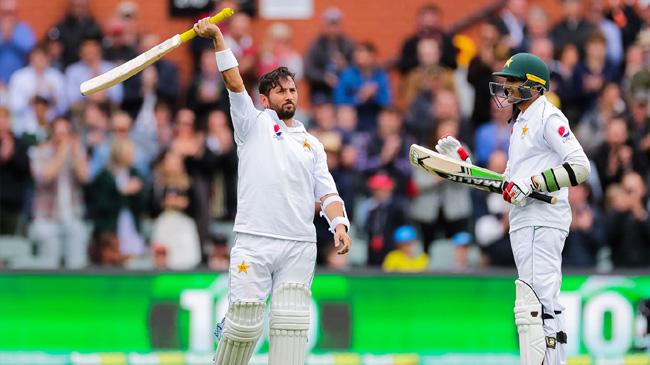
282,173
544,156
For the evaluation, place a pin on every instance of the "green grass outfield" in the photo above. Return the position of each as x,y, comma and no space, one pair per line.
180,358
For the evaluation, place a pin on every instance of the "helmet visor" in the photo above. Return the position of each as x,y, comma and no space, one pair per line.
505,96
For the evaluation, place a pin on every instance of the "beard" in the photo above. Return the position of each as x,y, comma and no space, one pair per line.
284,111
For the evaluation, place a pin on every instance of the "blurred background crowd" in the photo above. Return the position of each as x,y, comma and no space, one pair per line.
144,174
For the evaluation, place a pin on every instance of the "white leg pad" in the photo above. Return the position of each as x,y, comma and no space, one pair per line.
528,318
289,324
242,329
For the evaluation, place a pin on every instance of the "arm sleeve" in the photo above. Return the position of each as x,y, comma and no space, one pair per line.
243,114
323,180
383,93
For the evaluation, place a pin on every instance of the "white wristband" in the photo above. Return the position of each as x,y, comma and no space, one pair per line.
226,60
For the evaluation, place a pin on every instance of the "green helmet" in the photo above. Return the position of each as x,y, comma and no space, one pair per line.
526,67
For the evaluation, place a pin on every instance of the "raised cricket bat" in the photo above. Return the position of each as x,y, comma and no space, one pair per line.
462,172
132,67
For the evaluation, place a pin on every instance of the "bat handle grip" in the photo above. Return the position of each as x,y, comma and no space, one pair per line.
543,197
219,17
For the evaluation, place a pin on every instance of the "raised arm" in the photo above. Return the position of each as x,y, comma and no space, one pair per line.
225,59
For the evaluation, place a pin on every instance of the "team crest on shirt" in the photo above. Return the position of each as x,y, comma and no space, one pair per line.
277,131
306,145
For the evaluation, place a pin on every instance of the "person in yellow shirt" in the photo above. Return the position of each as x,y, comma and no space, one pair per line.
405,258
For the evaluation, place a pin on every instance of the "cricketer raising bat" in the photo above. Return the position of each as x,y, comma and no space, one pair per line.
462,172
132,67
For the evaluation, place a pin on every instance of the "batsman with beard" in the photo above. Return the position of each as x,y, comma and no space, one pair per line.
282,174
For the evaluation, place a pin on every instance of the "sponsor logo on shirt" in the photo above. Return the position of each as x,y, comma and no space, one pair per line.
277,131
563,132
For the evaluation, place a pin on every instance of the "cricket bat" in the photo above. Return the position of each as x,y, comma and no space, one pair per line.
462,172
132,67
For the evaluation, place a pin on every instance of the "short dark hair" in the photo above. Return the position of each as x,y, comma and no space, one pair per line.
272,79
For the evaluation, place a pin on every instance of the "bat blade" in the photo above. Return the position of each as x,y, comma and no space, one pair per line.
462,172
129,68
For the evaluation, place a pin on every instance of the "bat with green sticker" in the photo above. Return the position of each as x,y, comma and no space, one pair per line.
462,172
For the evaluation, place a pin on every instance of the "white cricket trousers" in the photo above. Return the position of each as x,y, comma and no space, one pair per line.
259,264
538,256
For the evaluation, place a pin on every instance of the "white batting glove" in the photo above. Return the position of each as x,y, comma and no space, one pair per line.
516,192
451,147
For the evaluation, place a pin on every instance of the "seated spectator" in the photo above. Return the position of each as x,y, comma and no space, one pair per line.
428,75
90,64
587,231
429,25
387,150
59,168
121,33
562,82
386,214
219,256
640,80
37,79
492,223
406,257
511,22
39,134
365,86
118,199
104,250
591,129
537,27
220,141
14,176
615,156
17,40
612,33
95,125
239,39
573,28
327,56
176,232
169,174
628,227
640,122
207,91
277,51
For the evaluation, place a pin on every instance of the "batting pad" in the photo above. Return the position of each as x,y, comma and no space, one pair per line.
241,331
528,318
289,324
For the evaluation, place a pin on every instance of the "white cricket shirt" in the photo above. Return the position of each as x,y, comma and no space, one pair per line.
540,139
282,172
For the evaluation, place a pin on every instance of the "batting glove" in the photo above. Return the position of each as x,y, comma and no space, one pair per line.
451,147
516,191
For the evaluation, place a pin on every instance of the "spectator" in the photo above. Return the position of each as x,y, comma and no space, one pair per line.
118,198
219,257
613,38
615,156
207,91
428,76
41,108
95,125
17,40
277,51
121,35
36,79
328,55
587,231
429,25
625,17
170,174
640,81
240,41
160,80
591,130
199,160
562,81
441,207
120,130
405,258
537,27
492,136
640,122
511,22
492,223
176,232
594,72
14,176
387,150
573,28
59,167
387,213
628,228
491,55
76,26
364,85
91,64
104,250
219,140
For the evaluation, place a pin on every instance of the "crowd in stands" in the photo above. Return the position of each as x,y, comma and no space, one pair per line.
137,175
